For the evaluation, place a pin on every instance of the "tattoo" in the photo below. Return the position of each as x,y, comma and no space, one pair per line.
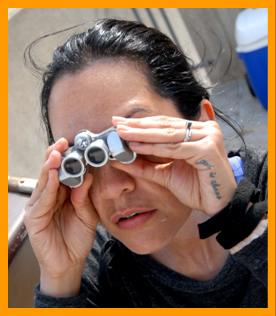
212,175
215,185
204,163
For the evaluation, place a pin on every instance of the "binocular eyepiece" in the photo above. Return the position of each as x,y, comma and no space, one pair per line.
94,150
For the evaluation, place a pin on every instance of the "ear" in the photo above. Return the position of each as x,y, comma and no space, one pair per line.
207,112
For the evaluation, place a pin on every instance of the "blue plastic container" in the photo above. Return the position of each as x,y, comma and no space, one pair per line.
251,37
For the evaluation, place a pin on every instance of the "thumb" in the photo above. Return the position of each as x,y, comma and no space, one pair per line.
82,202
141,168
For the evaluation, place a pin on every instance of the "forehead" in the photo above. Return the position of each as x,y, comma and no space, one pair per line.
88,99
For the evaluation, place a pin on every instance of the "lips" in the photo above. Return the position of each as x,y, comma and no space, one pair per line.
131,214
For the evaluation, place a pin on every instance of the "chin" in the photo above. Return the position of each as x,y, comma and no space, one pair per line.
145,247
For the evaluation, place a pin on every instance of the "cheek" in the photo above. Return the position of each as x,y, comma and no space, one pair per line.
170,222
166,226
103,207
171,217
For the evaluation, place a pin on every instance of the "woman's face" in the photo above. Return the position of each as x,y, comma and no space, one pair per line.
87,100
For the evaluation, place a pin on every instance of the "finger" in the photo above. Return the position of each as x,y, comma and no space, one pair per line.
155,121
47,201
169,150
53,162
63,194
61,145
194,153
159,135
82,203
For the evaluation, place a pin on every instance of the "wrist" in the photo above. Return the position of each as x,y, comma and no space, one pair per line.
64,285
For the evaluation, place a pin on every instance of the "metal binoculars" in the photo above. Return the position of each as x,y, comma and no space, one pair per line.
94,150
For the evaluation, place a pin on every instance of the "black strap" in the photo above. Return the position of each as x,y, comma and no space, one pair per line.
235,222
232,234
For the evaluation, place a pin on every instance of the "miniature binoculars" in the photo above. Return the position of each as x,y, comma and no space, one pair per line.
94,150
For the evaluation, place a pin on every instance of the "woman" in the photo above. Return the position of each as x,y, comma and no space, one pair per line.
173,224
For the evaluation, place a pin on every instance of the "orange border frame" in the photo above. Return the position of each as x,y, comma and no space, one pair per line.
4,310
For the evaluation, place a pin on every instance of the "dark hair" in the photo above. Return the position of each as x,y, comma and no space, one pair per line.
167,68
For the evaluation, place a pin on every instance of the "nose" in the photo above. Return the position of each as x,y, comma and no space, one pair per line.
112,182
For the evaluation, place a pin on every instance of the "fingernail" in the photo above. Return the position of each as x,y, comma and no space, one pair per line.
62,139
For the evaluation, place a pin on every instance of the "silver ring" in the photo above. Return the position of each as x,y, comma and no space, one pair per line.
188,133
186,123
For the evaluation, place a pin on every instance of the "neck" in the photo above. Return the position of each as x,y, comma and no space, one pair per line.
191,256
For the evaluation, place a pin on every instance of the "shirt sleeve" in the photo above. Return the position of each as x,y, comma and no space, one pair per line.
80,300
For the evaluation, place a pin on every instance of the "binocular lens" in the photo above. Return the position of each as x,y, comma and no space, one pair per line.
96,155
72,166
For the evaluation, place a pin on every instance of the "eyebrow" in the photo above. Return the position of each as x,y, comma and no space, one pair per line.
137,110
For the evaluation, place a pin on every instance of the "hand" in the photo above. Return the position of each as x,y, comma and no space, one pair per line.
61,223
198,172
